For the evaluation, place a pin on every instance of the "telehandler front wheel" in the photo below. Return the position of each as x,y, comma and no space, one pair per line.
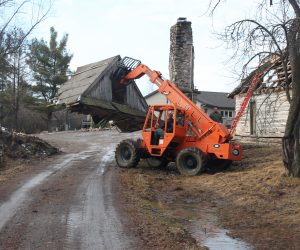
190,161
127,154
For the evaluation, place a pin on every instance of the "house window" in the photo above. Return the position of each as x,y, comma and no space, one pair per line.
226,113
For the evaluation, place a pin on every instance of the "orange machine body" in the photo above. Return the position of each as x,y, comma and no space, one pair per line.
191,126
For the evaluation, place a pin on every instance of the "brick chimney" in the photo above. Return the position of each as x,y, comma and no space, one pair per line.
181,58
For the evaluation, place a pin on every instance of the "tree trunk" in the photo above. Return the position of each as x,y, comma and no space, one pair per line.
49,116
290,142
14,115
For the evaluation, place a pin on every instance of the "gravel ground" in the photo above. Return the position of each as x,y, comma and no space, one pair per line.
79,199
66,201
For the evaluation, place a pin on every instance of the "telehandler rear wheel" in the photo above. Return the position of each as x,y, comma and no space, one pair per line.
190,161
127,154
157,162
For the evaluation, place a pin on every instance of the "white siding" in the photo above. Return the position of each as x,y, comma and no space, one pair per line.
157,98
271,115
226,119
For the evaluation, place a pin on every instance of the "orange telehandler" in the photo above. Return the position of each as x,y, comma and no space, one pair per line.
178,132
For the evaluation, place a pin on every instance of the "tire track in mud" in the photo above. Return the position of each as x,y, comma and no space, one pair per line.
10,207
94,223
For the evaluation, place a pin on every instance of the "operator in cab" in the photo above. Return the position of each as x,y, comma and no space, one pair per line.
158,132
170,123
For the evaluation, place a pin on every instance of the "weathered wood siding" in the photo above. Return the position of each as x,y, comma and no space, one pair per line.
106,88
271,115
85,78
133,98
101,90
95,90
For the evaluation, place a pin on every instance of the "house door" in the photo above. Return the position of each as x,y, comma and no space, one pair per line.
252,117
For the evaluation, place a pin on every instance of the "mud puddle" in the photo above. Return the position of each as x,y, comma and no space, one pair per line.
203,224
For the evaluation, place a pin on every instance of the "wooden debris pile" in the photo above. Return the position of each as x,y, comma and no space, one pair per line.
19,145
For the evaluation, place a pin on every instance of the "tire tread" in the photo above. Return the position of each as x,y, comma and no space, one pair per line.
135,153
193,150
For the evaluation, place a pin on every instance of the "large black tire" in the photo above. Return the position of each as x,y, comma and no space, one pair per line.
191,161
157,162
127,154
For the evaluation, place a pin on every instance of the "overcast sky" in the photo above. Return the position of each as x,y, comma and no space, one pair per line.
99,29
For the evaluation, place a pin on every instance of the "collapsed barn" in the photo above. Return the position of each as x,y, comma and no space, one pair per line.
265,117
95,90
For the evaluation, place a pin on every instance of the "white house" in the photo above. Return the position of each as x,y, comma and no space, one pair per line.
206,100
266,114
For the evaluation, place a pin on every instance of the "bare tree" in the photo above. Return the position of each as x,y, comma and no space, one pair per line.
11,10
18,74
12,47
273,34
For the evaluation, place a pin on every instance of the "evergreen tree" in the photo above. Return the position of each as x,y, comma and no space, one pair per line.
49,64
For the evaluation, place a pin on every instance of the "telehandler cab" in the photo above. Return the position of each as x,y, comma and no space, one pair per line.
190,139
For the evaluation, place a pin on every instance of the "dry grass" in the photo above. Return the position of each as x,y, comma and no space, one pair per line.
254,200
147,217
13,167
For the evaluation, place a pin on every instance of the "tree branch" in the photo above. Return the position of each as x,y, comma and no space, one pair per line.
12,17
295,6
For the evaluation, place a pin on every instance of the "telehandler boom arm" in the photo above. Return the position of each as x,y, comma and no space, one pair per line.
208,143
202,125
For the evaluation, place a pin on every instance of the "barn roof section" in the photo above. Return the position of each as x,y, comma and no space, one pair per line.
85,76
94,90
273,78
215,99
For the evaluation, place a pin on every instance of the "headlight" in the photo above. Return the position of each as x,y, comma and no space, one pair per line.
235,152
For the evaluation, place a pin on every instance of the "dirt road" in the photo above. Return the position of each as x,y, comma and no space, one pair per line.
80,200
67,201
